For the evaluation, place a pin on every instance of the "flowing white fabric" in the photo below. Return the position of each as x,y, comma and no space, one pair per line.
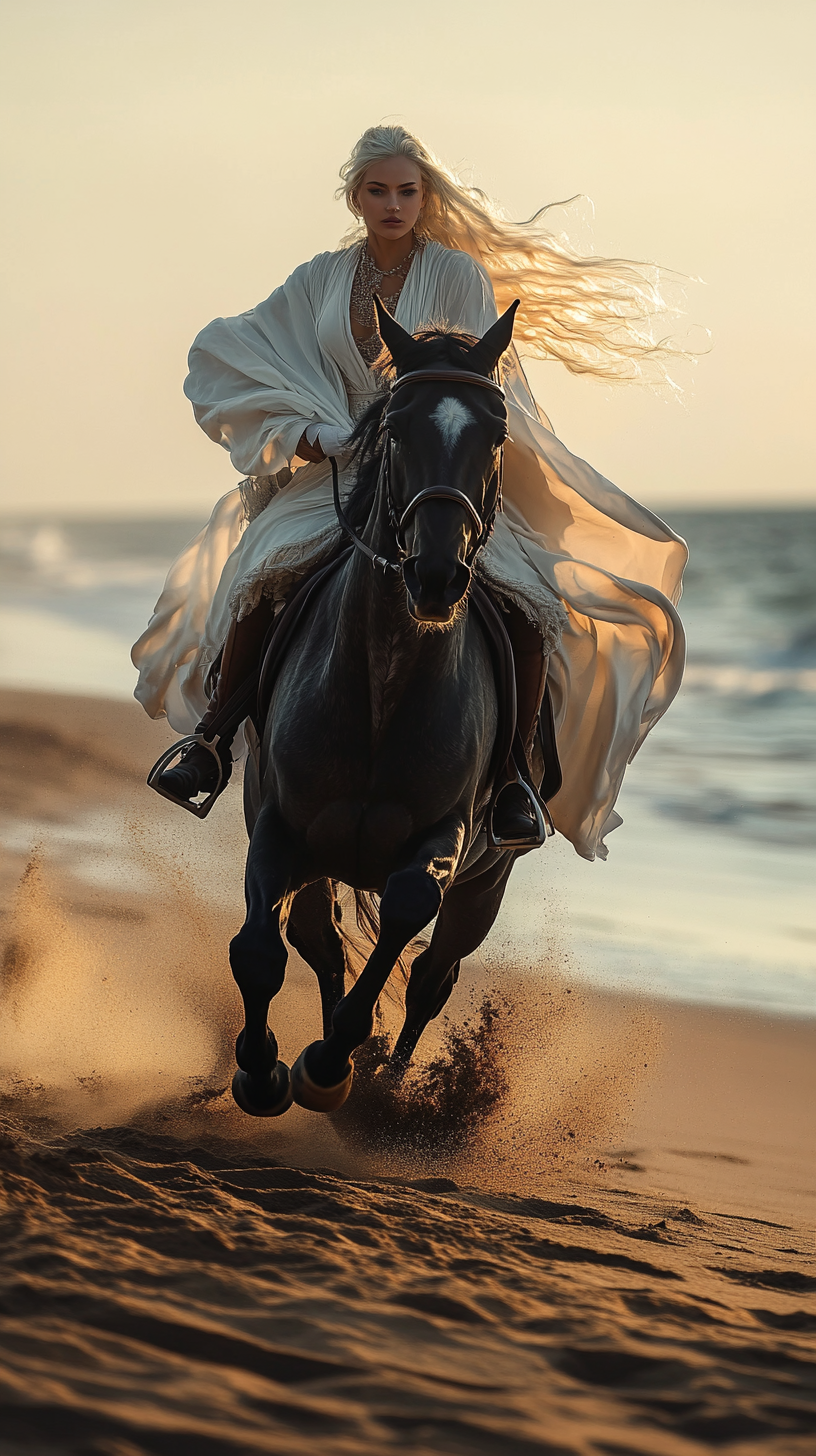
600,574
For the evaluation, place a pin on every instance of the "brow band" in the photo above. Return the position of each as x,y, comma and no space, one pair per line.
447,376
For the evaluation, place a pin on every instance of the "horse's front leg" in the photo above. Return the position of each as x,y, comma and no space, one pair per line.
467,915
262,1085
322,1074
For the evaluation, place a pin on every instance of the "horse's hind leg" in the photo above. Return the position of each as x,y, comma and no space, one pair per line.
323,1072
262,1085
468,913
312,930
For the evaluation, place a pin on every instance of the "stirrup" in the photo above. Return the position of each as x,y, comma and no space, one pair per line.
200,810
544,826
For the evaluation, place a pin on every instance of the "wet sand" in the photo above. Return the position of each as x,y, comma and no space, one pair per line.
598,1237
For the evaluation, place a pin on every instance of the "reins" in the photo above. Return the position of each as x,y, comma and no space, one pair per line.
482,526
346,525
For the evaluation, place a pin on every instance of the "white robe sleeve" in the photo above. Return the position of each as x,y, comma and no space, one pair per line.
256,381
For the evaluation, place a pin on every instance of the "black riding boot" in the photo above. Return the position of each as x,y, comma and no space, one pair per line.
197,770
513,816
514,819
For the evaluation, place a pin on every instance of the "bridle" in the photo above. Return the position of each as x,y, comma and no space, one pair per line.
483,525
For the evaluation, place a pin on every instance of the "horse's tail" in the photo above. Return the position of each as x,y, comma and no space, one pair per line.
367,919
367,915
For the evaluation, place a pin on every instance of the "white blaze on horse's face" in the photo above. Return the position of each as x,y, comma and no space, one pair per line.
451,416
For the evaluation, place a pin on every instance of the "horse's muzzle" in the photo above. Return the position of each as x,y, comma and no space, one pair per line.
433,595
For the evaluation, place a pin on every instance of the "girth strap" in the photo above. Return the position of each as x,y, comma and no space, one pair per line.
501,656
508,750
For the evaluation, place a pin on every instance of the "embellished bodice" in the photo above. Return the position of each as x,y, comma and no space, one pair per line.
388,285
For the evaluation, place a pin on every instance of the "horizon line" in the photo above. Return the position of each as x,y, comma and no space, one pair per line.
88,513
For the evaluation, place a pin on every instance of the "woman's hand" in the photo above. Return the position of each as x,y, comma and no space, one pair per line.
305,451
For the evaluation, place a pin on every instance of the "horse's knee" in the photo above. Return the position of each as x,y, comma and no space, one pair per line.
411,900
258,963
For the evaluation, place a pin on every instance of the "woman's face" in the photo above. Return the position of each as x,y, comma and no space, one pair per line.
390,197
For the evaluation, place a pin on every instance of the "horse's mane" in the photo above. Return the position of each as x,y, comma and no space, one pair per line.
433,346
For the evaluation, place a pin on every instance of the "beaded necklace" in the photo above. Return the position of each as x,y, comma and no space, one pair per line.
368,280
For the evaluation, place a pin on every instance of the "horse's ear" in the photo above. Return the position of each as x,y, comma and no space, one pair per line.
393,335
485,355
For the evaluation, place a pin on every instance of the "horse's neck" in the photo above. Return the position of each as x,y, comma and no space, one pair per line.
378,632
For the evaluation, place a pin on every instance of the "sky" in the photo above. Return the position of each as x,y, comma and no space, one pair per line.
169,161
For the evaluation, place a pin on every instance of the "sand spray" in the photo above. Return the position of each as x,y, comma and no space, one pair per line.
118,1005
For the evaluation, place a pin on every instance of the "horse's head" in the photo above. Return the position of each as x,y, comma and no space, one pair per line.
445,432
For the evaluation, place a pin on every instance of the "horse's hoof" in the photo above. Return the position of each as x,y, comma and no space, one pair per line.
318,1099
278,1101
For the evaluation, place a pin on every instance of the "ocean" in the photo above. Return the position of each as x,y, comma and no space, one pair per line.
709,891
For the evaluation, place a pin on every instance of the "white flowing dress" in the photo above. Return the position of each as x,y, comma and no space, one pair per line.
600,574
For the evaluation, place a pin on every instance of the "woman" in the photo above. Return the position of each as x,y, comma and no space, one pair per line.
588,577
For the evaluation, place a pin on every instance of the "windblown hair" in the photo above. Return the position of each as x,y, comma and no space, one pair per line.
596,315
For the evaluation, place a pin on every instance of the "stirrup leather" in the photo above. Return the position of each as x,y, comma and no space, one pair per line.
167,760
544,827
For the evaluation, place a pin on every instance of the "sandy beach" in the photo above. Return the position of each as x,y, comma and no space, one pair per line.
586,1226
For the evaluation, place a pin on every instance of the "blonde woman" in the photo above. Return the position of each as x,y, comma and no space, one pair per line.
588,578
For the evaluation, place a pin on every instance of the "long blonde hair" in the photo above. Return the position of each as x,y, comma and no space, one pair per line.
596,315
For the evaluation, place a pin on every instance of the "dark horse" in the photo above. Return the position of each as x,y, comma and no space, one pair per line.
376,758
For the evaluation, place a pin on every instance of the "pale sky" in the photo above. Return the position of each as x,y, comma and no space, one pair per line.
167,161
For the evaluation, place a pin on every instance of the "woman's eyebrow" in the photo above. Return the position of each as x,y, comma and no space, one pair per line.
400,186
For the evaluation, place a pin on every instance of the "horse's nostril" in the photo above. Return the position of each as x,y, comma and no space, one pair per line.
435,584
434,593
427,576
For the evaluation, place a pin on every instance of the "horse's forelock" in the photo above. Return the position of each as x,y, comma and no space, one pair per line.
439,346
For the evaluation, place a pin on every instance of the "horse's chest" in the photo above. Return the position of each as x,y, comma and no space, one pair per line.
358,797
362,762
388,666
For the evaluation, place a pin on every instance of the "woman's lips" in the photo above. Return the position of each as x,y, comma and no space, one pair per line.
393,222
